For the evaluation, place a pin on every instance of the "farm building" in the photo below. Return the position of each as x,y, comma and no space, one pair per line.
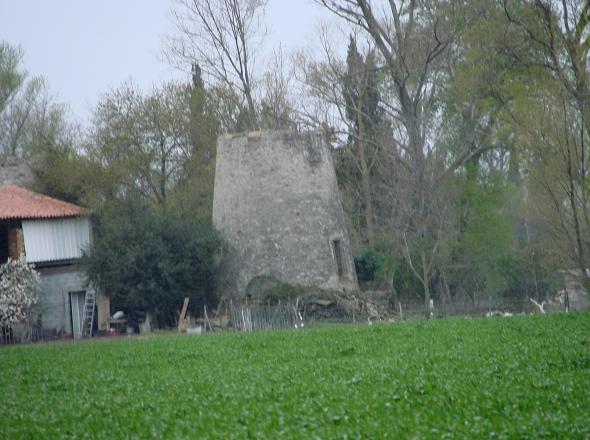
52,235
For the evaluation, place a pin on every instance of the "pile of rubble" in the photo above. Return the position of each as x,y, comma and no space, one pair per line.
348,305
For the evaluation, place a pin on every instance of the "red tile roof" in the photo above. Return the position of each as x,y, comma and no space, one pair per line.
20,203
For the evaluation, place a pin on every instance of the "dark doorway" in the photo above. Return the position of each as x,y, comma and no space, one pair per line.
338,256
3,244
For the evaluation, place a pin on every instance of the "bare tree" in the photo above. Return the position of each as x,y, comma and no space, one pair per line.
348,91
414,39
558,31
557,160
555,36
321,98
410,47
277,108
222,37
30,121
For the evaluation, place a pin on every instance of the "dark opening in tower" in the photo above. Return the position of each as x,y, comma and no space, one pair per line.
338,256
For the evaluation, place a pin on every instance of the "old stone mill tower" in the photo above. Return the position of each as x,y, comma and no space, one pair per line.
276,204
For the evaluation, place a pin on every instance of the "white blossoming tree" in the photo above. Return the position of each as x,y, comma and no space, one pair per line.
20,285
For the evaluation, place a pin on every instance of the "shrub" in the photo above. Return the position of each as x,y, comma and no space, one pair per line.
19,290
368,264
149,261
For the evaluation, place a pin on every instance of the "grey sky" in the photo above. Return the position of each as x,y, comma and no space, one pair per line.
84,48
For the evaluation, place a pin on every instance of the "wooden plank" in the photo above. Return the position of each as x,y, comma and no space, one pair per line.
181,323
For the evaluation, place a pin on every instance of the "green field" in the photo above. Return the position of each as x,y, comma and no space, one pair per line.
520,377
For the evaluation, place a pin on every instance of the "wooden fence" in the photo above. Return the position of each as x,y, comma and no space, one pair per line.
7,336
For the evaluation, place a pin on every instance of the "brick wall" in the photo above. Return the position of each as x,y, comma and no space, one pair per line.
16,243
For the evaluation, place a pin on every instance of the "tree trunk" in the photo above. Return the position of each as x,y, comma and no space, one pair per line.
426,284
446,292
252,117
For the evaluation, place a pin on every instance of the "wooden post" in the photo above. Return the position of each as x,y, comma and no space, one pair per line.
207,322
566,296
104,312
181,323
541,306
401,313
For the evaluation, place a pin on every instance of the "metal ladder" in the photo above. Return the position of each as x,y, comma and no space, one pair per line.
89,306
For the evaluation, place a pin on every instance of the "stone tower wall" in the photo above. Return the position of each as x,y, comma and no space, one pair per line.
277,205
13,171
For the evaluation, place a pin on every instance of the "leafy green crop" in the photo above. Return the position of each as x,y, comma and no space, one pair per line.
520,377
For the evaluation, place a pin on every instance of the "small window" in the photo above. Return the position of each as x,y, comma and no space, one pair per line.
338,256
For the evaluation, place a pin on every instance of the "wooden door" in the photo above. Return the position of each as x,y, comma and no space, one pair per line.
77,311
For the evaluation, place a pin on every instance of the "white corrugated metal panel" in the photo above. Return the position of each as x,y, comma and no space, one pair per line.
55,239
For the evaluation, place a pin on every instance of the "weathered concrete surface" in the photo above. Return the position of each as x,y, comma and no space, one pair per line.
54,304
16,172
276,203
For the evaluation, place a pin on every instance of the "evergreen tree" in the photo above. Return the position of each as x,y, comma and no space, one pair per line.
364,121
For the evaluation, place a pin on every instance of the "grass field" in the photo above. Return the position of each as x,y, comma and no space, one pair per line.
520,377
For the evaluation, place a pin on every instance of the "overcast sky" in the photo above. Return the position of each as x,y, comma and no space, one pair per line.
86,47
